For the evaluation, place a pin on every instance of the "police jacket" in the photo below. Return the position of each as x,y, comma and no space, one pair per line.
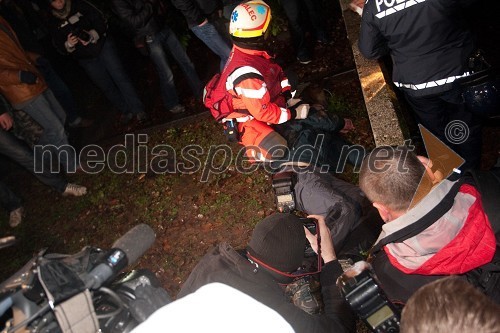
426,40
14,59
77,16
457,238
196,11
225,265
139,15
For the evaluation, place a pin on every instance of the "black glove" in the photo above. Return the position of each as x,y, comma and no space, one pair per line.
27,77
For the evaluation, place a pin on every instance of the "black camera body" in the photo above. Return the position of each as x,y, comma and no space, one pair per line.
283,187
363,292
81,34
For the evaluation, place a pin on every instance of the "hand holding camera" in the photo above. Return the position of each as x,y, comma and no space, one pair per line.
325,247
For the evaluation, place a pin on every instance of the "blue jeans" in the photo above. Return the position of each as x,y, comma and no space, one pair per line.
107,72
46,110
166,40
211,37
59,88
20,153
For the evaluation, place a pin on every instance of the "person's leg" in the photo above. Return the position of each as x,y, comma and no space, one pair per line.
100,77
165,75
439,115
316,20
59,88
109,57
175,47
19,152
292,11
9,200
210,36
47,111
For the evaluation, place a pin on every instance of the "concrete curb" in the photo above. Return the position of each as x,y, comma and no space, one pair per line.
380,100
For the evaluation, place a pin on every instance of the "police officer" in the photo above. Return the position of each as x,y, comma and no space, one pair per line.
430,48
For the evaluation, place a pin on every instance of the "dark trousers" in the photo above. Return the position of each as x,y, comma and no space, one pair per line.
59,89
446,116
9,200
294,10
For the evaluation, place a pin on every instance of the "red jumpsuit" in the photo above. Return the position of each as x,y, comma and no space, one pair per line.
257,85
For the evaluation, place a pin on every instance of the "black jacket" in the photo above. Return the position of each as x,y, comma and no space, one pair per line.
223,264
81,15
196,11
138,15
428,44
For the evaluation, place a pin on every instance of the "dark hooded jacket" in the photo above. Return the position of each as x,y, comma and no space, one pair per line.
75,17
224,264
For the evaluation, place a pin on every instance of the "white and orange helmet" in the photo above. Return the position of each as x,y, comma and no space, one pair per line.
250,19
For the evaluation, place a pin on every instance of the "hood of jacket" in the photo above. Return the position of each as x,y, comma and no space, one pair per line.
460,240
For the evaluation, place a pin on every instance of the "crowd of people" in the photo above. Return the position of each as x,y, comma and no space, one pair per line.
414,242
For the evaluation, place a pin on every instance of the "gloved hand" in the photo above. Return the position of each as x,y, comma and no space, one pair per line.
299,110
27,77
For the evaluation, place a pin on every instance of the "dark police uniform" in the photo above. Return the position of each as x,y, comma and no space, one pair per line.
429,47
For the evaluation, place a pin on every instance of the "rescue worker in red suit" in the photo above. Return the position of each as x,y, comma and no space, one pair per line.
258,86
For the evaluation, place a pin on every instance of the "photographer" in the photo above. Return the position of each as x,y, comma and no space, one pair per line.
78,28
442,231
275,251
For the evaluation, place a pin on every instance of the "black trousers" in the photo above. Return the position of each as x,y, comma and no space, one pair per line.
446,116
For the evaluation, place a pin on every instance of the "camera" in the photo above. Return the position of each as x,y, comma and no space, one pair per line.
310,225
81,34
283,187
361,289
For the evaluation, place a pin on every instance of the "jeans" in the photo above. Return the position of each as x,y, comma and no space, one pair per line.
295,13
107,72
211,37
46,110
443,113
166,40
59,89
20,153
9,200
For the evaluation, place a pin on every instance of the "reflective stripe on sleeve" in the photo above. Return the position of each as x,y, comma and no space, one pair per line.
252,93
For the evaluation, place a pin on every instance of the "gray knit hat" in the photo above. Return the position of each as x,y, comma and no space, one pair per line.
279,241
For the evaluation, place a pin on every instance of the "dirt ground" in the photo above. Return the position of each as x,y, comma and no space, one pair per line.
189,211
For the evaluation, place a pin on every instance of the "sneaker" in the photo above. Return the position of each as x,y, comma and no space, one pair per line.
304,60
74,190
16,217
81,123
177,109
